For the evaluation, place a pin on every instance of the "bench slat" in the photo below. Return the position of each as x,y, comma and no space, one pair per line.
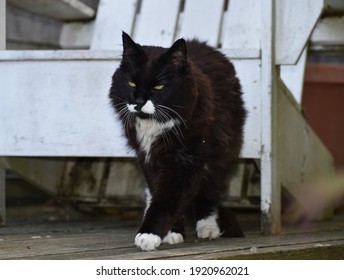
60,108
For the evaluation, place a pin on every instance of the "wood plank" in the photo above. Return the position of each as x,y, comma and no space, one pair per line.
300,163
242,25
154,27
2,24
293,76
87,78
2,171
100,135
113,17
328,32
57,9
270,181
2,196
76,35
202,19
292,16
44,173
249,73
114,240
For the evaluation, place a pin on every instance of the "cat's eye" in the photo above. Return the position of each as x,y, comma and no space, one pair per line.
159,87
131,84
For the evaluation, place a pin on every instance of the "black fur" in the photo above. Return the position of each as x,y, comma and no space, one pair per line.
188,165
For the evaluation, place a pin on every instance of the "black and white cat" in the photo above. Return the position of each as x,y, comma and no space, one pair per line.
182,113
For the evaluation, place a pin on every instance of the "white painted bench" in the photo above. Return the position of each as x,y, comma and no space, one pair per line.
54,103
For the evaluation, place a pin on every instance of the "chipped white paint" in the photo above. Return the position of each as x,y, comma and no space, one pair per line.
270,184
295,21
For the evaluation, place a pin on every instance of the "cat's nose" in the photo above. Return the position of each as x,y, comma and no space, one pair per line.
139,104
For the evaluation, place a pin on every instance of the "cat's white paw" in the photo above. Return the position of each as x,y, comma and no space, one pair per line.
208,228
147,241
173,238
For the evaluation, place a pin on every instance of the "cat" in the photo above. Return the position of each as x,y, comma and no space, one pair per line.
182,112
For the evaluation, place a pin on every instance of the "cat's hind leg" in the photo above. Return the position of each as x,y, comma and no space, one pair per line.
214,221
206,215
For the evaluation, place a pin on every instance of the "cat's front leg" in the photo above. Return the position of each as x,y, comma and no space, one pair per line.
153,230
151,241
147,241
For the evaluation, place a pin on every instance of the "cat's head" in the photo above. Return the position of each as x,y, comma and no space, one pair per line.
153,82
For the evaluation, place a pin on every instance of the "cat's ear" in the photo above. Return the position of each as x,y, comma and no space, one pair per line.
177,53
129,46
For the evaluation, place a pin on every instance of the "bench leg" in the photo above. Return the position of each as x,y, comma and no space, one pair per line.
2,197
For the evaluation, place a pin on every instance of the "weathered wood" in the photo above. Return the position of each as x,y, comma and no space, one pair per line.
76,35
246,17
328,33
2,196
249,73
62,10
270,182
305,161
87,119
196,22
87,77
112,18
2,24
44,173
2,171
295,21
293,76
114,240
154,27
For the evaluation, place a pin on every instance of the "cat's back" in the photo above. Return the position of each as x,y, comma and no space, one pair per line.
207,58
214,65
217,68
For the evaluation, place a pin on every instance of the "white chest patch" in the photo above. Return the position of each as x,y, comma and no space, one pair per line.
147,132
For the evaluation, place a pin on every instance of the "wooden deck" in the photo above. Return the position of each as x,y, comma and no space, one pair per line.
48,238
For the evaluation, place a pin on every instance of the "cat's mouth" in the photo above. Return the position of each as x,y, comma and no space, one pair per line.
142,115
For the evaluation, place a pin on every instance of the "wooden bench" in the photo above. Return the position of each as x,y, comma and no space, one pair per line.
55,104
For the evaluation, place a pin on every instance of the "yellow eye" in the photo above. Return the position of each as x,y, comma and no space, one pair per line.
159,87
131,84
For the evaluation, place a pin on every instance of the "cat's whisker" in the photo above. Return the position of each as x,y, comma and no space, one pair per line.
174,112
164,136
175,129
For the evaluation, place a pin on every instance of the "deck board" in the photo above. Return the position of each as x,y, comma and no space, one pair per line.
109,239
